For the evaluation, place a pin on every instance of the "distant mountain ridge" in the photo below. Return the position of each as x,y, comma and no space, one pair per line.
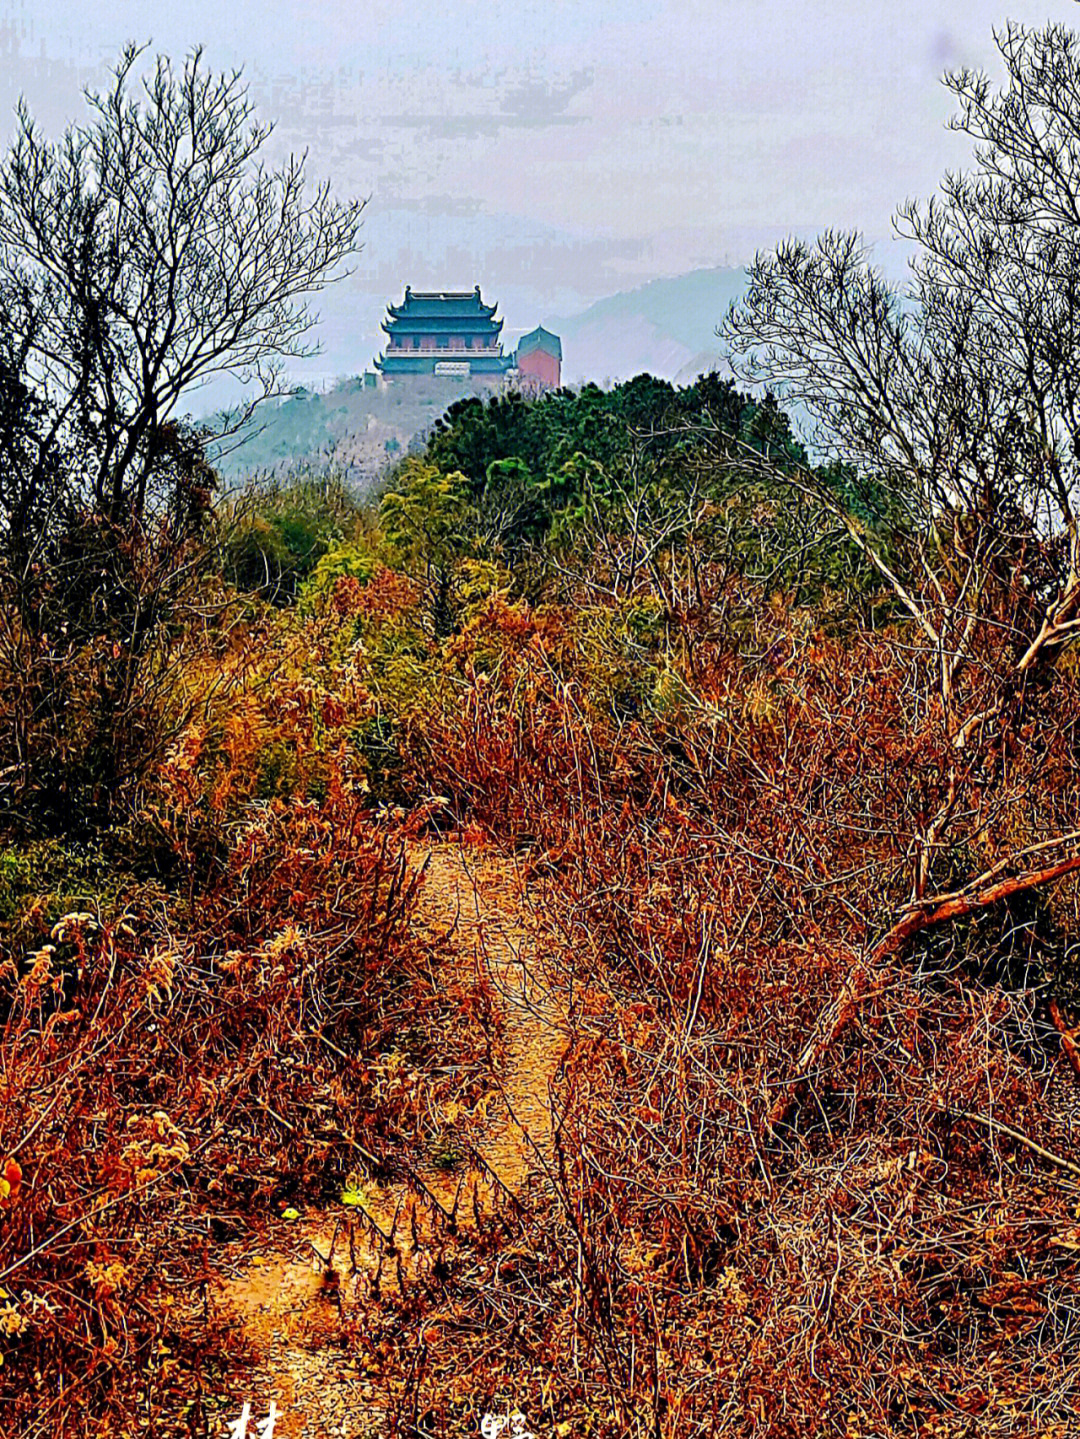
666,327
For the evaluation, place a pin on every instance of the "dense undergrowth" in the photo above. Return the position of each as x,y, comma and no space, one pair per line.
886,1247
814,1174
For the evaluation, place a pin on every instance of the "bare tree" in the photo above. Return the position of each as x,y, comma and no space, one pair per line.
955,403
146,251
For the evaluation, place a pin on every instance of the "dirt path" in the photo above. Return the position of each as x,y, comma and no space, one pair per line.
475,907
289,1303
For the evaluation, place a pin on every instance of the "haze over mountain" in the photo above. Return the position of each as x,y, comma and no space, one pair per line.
666,328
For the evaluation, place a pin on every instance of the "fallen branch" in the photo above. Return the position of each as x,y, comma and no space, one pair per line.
1068,1036
996,1126
867,978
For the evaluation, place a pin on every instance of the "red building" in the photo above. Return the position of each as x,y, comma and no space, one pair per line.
539,359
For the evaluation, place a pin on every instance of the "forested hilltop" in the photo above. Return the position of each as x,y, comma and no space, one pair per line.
667,327
588,930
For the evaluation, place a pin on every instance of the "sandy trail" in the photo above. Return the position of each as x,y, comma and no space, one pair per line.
473,911
474,905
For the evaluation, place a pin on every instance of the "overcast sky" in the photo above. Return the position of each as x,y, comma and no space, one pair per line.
560,150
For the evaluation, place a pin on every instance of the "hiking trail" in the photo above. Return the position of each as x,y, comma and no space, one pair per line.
288,1302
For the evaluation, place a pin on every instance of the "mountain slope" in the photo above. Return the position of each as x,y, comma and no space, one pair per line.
664,327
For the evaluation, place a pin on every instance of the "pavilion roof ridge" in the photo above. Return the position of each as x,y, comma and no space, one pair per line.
435,304
441,294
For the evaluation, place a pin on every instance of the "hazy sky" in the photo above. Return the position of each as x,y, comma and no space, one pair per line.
557,151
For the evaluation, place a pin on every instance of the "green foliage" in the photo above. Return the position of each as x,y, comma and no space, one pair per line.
277,770
562,479
277,531
51,877
446,1156
348,558
378,749
428,517
430,524
643,618
303,424
615,651
513,507
548,488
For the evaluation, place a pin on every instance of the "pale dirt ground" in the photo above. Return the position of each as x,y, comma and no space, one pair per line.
472,909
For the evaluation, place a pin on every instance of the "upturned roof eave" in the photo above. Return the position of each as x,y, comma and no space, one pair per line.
449,323
432,309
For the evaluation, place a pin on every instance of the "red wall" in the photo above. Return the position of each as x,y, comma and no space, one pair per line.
541,366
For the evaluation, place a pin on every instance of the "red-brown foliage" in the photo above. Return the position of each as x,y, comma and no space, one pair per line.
879,1241
813,1168
170,1078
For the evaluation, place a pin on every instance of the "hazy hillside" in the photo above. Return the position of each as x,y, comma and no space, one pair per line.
665,328
362,428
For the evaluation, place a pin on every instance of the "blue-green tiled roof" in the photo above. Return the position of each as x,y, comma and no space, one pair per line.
441,304
540,339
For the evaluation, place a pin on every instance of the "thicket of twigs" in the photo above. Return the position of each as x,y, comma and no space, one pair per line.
792,1200
806,1181
178,1069
815,1167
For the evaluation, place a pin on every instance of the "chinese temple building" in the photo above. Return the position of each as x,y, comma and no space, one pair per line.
453,335
446,333
539,359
